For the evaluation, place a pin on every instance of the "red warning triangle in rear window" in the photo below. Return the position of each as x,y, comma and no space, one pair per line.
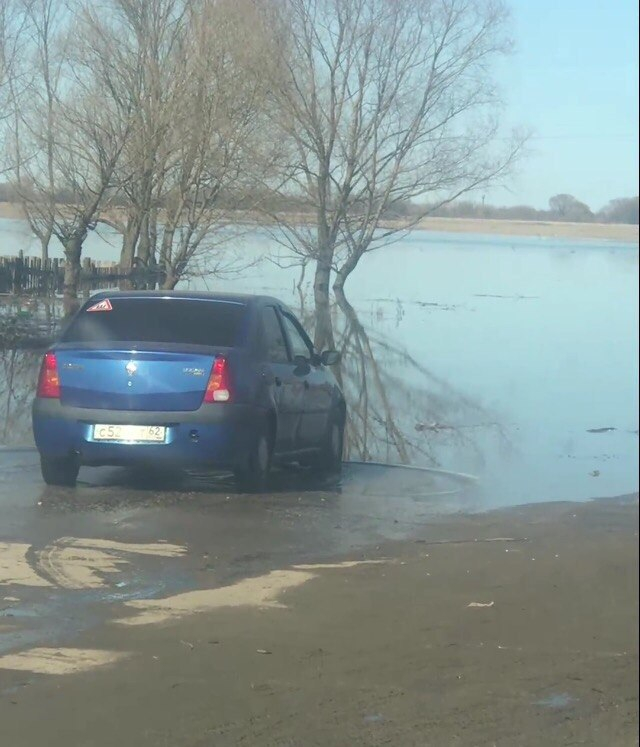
101,306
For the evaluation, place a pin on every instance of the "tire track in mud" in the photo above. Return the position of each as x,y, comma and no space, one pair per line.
70,571
72,563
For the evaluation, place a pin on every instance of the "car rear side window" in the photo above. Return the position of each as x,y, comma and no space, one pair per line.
299,346
276,347
161,320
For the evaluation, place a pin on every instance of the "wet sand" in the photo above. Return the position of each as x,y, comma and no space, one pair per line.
516,627
548,229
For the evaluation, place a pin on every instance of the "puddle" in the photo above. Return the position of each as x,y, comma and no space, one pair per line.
374,718
64,613
557,701
267,591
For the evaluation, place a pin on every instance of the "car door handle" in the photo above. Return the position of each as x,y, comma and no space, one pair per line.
269,378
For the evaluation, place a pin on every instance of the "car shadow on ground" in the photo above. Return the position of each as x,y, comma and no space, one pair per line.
116,488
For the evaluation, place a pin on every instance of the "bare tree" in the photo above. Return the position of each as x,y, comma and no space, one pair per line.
6,24
222,144
139,49
381,102
13,24
191,71
145,114
68,175
34,99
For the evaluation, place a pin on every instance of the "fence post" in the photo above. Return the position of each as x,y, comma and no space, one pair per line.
17,274
57,277
85,277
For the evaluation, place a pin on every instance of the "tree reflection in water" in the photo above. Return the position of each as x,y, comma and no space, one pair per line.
397,409
26,328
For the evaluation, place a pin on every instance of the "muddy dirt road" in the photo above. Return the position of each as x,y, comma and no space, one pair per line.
67,555
374,611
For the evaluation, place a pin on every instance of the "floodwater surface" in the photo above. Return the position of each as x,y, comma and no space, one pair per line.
513,359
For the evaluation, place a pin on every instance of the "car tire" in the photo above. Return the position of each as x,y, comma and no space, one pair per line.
59,471
329,461
252,477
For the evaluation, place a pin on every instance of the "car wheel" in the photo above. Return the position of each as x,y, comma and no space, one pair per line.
61,471
252,477
330,458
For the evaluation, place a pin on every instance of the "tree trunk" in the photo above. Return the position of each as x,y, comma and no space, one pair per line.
170,280
143,252
166,250
323,334
45,238
153,247
343,273
128,250
144,247
72,254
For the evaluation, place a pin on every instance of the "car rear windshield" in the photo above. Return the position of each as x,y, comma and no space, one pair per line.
161,320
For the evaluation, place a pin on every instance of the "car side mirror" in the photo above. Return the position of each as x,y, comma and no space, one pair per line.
330,358
302,364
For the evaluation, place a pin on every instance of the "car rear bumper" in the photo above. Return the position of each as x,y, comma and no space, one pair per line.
218,435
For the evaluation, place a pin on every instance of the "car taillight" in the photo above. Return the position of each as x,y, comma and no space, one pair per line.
218,385
49,381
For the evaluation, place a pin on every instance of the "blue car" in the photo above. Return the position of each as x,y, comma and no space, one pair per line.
181,379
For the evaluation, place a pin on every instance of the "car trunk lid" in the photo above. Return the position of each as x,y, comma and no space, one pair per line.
133,379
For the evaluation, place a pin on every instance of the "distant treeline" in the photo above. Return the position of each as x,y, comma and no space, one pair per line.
562,207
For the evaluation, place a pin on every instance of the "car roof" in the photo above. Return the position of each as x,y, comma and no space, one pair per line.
244,298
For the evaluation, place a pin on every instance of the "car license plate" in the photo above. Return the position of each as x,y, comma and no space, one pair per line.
137,433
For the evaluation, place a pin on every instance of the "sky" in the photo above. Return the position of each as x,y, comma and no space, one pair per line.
573,80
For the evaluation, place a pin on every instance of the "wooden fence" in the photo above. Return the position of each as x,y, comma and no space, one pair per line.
31,276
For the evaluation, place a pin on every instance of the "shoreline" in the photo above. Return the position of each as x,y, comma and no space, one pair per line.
619,232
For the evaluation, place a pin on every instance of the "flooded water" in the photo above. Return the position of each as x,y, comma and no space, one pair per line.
514,359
